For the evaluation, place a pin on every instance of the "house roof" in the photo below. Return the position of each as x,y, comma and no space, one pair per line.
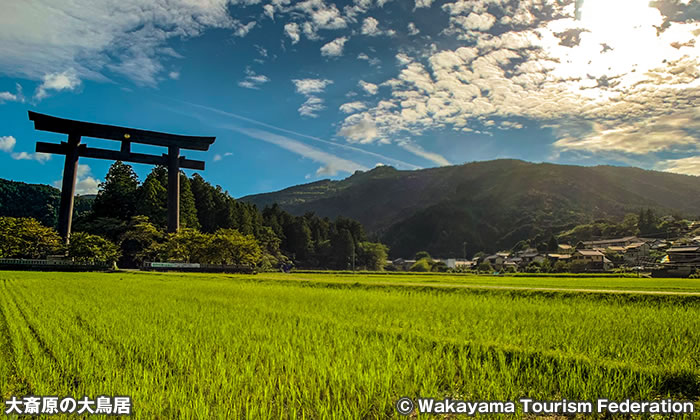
684,249
635,245
589,252
565,246
559,256
616,248
605,241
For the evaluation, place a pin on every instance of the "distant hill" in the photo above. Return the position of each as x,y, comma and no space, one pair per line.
489,205
19,199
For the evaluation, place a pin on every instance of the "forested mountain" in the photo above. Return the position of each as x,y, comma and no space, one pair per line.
36,201
489,205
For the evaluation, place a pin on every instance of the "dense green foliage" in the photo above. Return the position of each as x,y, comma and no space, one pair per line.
489,205
92,249
40,202
217,229
27,238
284,346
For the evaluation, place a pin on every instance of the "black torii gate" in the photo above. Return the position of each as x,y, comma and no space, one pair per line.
73,150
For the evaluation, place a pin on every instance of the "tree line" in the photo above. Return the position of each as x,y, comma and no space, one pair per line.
127,221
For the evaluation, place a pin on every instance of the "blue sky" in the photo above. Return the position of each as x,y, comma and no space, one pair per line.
297,91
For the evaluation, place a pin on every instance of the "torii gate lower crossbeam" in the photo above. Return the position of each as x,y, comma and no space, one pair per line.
73,150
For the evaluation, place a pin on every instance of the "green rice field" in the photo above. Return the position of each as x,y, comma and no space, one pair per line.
343,346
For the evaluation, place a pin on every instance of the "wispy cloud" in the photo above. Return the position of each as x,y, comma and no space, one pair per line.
12,97
382,158
419,151
218,157
687,166
252,80
40,36
309,87
331,164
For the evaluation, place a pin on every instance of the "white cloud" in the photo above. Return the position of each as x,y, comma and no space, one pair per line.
686,166
309,86
412,29
292,31
323,16
253,80
331,164
353,149
91,37
269,11
18,96
241,30
419,151
7,143
351,107
67,80
311,107
334,48
373,61
637,101
85,184
7,96
677,132
370,88
39,157
481,22
423,3
370,27
403,59
218,157
359,128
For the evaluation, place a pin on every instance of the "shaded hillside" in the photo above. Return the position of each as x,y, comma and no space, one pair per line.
489,205
19,199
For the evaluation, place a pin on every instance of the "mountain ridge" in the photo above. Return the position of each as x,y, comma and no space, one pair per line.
489,204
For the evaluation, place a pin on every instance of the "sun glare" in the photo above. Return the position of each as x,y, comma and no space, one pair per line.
619,43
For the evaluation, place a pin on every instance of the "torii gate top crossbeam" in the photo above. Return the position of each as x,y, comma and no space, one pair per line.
44,122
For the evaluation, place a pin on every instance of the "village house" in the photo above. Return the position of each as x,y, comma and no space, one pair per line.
689,256
565,249
636,252
606,243
594,260
559,257
496,261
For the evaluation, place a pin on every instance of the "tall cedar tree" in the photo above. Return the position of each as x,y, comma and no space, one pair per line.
116,197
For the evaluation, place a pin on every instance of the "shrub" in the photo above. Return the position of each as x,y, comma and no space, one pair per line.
23,237
422,265
92,249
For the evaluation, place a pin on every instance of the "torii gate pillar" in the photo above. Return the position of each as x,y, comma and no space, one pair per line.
173,189
70,170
